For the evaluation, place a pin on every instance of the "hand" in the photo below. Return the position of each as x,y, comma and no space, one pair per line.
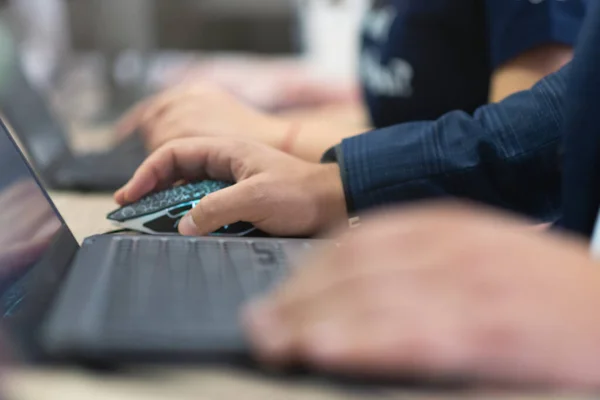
205,110
275,83
197,110
29,224
278,193
440,292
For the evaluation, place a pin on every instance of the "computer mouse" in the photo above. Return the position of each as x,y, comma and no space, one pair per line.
160,213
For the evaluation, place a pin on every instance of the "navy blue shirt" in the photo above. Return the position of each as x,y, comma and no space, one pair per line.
507,154
581,168
424,58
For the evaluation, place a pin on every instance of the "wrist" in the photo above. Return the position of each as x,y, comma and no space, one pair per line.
273,131
330,195
289,139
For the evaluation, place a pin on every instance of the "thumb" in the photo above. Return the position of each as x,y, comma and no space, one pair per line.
237,203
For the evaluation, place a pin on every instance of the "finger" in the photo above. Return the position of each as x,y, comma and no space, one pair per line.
187,112
322,295
385,344
163,103
401,330
224,207
187,159
129,122
263,319
163,134
376,246
147,110
174,124
420,332
269,338
276,331
317,334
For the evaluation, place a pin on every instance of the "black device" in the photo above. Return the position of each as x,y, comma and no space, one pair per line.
160,213
46,141
121,298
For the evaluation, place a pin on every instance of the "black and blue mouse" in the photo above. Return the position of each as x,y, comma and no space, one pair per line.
160,213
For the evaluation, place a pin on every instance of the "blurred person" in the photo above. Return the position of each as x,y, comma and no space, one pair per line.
418,61
428,291
442,292
507,154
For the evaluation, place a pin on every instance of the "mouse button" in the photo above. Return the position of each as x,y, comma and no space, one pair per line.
122,214
206,187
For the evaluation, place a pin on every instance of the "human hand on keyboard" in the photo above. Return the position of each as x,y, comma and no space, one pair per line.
206,110
277,193
440,292
200,110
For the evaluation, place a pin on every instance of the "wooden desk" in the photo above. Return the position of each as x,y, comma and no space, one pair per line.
215,385
85,214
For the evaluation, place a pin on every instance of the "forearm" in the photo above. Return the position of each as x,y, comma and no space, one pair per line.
313,140
506,154
524,71
321,129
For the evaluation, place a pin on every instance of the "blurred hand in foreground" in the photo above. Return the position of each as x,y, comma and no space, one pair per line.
440,291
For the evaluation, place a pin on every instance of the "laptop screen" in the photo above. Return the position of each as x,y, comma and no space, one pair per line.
35,249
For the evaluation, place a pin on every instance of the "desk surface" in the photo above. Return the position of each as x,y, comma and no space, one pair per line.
217,385
85,215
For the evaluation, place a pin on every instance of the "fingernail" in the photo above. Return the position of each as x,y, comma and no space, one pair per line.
268,330
187,226
326,341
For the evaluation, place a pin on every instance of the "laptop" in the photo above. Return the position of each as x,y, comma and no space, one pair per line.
46,141
124,297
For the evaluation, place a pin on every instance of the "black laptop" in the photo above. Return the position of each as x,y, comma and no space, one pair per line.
121,298
46,141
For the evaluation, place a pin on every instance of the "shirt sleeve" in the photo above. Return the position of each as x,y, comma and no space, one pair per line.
516,26
506,154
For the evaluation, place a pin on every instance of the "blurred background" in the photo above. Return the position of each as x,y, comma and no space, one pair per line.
95,58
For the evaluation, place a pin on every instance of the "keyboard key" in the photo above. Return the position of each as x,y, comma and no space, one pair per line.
190,284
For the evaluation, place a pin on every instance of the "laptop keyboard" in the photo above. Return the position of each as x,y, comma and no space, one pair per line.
192,284
168,198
